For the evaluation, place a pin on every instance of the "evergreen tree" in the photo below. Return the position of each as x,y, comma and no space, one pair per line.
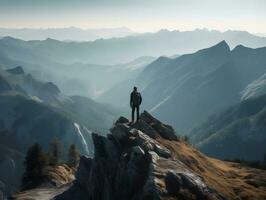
73,156
55,152
35,163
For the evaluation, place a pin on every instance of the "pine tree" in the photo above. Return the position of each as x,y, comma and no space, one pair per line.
35,163
73,156
55,152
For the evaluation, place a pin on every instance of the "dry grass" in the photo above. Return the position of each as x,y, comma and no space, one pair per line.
60,175
231,179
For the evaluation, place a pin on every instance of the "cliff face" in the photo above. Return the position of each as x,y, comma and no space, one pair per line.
142,161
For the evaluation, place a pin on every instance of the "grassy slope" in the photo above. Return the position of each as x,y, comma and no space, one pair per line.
231,179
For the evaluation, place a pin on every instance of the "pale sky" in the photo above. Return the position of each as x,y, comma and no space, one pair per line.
138,15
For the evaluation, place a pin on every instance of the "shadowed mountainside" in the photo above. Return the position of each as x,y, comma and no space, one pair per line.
237,132
125,49
35,111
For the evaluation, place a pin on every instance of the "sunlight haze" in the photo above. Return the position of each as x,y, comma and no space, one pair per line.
139,16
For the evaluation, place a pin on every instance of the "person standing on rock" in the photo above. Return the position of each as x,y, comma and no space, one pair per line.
135,101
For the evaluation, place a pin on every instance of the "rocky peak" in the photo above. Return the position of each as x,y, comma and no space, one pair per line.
131,163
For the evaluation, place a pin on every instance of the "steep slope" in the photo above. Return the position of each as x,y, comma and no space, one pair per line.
96,116
23,122
238,132
147,161
255,88
186,90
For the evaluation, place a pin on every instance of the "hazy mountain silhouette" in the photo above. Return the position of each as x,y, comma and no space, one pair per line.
186,90
69,33
125,49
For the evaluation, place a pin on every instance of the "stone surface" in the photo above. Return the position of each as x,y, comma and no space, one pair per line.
122,120
145,127
129,164
120,131
164,130
172,183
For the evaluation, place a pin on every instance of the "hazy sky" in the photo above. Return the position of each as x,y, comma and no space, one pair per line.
138,15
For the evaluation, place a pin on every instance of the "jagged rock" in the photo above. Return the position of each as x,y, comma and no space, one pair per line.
120,131
164,130
138,151
172,183
83,171
129,164
145,127
122,120
104,148
150,144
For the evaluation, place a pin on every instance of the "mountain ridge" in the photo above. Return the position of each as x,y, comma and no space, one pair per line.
137,161
156,44
192,85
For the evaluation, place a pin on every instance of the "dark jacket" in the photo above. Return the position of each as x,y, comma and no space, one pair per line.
135,99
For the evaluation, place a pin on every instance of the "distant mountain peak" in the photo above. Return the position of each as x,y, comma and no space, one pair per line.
221,46
161,59
240,48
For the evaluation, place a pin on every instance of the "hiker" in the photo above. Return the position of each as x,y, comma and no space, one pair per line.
135,101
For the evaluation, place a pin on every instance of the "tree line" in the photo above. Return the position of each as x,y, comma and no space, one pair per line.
37,160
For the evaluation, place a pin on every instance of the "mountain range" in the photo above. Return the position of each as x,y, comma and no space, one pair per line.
237,132
214,95
69,33
37,111
146,161
184,91
74,66
124,49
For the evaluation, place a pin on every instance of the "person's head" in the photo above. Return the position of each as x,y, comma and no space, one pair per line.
135,89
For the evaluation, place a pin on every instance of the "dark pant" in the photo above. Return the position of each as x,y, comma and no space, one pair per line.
133,112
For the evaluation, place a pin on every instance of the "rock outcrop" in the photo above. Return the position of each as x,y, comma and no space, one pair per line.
131,163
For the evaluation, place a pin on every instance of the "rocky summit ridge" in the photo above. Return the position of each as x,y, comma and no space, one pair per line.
132,163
